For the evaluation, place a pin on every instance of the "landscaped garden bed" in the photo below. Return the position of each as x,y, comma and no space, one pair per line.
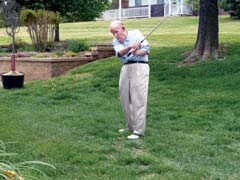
46,56
45,65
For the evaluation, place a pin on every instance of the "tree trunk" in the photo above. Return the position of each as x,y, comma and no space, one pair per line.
207,39
57,36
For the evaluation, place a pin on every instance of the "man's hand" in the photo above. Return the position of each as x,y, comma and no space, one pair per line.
134,48
136,45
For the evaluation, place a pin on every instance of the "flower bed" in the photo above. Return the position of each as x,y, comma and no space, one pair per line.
42,68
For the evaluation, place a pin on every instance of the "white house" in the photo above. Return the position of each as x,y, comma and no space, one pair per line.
133,3
171,7
148,8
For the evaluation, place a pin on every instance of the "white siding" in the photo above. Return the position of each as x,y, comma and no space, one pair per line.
131,3
172,9
145,2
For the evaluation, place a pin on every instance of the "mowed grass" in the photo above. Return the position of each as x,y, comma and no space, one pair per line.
193,124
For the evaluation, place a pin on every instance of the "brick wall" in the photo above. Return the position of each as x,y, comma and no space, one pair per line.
45,68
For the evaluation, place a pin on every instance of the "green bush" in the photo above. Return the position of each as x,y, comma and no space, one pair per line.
234,8
20,45
77,46
1,18
41,27
1,22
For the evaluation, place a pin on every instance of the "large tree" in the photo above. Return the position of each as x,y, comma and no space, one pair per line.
207,42
71,10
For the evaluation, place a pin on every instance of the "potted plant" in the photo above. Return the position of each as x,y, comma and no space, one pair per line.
13,78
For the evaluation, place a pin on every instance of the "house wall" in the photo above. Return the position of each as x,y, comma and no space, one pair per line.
132,3
125,3
153,2
158,8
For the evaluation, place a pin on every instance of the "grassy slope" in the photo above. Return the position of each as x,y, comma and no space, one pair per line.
193,112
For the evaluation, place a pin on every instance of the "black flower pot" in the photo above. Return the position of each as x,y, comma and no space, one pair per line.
12,80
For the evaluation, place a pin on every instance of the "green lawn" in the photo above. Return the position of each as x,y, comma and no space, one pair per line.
72,122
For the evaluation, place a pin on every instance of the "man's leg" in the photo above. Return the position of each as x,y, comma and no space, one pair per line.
139,94
124,86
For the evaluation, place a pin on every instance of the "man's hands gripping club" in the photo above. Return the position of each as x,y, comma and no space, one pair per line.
136,50
133,49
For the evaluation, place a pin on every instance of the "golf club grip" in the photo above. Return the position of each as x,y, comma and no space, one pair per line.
130,52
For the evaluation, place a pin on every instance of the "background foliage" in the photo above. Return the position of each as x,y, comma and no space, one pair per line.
232,6
71,11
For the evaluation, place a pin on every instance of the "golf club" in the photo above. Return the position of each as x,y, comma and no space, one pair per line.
130,52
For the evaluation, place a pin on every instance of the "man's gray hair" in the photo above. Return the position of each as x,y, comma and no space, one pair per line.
116,23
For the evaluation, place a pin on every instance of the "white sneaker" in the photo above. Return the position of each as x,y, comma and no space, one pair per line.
123,130
133,137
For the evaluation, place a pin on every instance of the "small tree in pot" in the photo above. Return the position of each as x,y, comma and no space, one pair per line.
13,78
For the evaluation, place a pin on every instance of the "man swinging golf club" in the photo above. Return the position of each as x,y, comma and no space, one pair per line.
132,49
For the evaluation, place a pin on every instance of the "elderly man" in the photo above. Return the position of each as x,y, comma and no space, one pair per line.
133,51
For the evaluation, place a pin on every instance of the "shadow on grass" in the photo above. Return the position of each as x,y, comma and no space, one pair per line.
164,68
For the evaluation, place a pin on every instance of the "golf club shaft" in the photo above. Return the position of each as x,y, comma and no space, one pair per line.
154,29
130,52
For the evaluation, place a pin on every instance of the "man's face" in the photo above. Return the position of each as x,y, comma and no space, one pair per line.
119,32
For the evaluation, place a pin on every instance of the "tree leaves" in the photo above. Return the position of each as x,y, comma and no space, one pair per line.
72,10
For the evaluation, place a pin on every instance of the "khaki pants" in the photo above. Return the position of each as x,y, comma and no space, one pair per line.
133,89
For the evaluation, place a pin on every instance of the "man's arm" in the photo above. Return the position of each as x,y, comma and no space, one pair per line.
140,52
133,48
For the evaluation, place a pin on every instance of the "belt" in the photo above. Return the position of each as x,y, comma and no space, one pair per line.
132,62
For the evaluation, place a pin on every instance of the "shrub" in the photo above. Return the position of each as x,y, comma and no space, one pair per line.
77,46
41,25
1,21
20,45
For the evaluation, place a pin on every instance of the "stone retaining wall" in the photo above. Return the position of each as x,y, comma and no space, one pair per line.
45,68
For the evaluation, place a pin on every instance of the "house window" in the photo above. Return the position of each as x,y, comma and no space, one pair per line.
138,2
160,1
